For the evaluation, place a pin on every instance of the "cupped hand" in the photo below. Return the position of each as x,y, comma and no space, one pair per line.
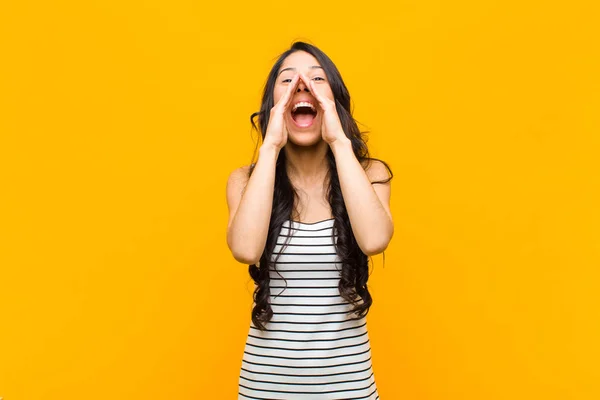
277,133
331,127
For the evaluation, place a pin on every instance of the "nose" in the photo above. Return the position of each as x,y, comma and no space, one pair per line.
302,86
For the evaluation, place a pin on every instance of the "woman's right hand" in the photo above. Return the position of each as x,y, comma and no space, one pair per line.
277,133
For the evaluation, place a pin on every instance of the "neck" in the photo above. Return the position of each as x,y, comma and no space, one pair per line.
307,165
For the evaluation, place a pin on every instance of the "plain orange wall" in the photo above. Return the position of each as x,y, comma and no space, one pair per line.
120,122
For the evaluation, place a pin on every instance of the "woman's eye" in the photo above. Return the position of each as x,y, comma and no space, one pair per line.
287,80
318,77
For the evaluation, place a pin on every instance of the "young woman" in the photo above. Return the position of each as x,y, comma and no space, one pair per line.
305,217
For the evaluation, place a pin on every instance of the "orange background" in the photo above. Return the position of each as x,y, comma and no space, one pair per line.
121,121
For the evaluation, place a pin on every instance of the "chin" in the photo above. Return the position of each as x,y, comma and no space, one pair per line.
305,139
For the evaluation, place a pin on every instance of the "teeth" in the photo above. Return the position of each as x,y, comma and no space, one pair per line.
303,104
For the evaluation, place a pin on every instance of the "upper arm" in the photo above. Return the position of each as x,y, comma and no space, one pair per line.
376,171
236,183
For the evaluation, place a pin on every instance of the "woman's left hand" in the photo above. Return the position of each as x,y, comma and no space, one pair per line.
331,127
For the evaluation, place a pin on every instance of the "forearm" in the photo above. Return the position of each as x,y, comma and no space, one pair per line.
371,224
249,228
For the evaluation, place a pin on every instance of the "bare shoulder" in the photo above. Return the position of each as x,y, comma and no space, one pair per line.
238,178
376,170
236,184
240,172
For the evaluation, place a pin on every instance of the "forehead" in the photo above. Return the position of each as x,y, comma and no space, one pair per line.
299,59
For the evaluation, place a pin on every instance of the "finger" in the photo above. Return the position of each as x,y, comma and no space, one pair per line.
313,89
285,129
285,99
310,85
305,79
315,92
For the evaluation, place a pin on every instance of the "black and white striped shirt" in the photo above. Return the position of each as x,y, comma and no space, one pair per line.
312,348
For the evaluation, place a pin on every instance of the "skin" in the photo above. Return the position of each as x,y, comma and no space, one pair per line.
311,77
250,200
300,78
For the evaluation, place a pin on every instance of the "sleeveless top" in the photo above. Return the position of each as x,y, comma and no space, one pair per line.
313,347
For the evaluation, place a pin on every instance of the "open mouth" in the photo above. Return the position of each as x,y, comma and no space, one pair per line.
303,114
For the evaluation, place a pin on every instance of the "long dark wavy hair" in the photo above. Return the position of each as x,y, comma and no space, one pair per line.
355,268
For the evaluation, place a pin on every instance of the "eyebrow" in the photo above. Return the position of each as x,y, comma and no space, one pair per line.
292,68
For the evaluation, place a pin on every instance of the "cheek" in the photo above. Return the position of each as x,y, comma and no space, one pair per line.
329,93
277,93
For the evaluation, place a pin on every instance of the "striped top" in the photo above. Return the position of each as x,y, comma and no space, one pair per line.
312,348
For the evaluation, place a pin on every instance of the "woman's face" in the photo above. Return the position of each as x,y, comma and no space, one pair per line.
303,126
